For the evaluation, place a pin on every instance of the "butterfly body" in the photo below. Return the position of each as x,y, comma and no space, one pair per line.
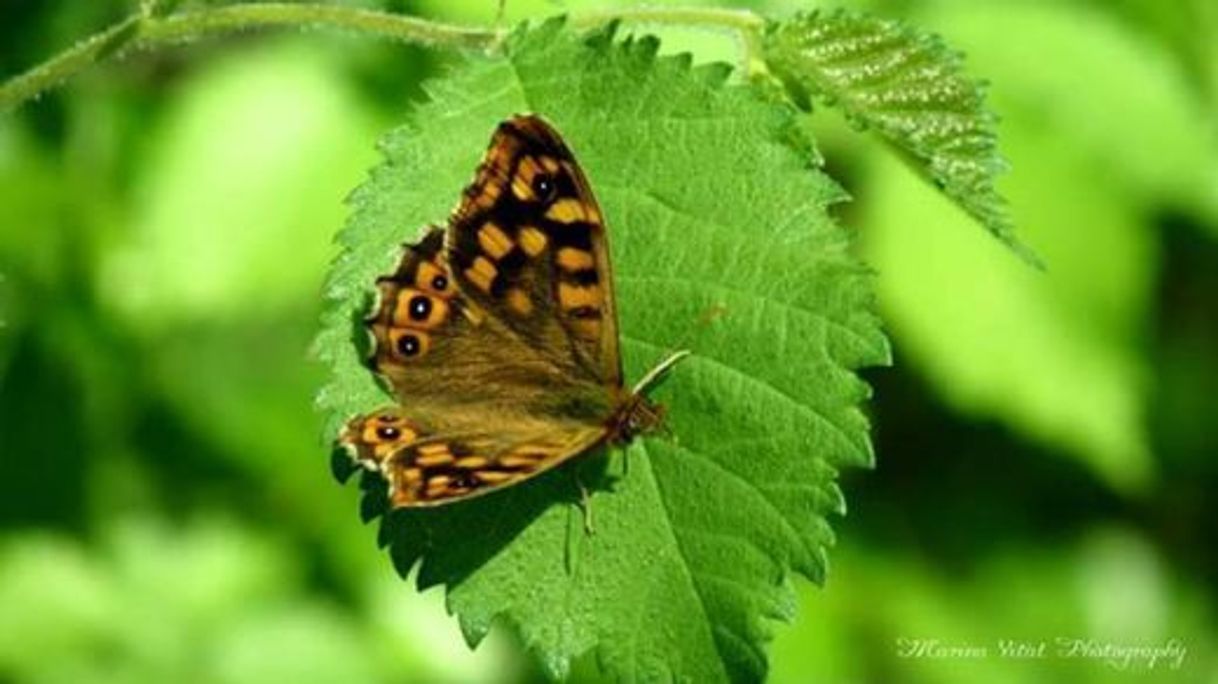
497,334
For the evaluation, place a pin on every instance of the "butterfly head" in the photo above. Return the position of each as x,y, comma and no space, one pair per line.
639,417
638,414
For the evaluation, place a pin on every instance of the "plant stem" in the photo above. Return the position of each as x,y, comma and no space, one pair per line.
203,23
743,21
59,68
147,31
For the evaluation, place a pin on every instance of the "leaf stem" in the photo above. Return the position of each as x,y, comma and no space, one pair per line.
146,31
59,68
198,24
743,21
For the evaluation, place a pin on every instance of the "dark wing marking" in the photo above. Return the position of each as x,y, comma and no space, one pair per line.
415,305
459,368
423,469
527,243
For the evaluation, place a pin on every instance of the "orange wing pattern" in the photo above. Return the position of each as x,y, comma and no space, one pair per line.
498,335
528,240
426,470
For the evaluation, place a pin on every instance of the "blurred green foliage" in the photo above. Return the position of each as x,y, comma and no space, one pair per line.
1046,442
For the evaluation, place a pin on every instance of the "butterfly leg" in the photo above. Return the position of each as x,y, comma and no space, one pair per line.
625,463
585,506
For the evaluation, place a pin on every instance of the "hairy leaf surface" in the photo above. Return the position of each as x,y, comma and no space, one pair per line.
911,89
710,203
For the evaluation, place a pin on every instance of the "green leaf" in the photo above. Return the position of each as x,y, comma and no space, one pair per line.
909,88
158,8
1002,343
710,203
1162,148
1050,354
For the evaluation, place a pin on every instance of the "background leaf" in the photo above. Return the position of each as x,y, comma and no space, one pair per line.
709,205
1163,146
1001,600
1022,347
281,105
910,88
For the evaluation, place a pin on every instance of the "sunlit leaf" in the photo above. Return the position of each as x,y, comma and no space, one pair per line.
1048,353
1116,95
707,205
1057,356
908,87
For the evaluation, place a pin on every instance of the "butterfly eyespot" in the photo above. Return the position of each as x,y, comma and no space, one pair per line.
409,345
388,433
432,277
544,187
420,308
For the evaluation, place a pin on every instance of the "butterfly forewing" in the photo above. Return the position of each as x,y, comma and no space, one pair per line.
528,240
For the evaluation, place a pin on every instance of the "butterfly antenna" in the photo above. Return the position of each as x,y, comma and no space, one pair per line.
657,374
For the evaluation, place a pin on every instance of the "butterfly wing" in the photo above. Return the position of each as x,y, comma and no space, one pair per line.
479,408
528,242
498,336
459,367
424,469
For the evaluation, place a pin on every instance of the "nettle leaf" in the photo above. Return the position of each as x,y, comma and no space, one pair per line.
908,87
710,202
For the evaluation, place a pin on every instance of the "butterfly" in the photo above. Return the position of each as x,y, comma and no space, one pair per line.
498,337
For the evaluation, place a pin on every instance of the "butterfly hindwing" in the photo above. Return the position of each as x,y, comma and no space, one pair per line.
527,243
424,469
417,312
